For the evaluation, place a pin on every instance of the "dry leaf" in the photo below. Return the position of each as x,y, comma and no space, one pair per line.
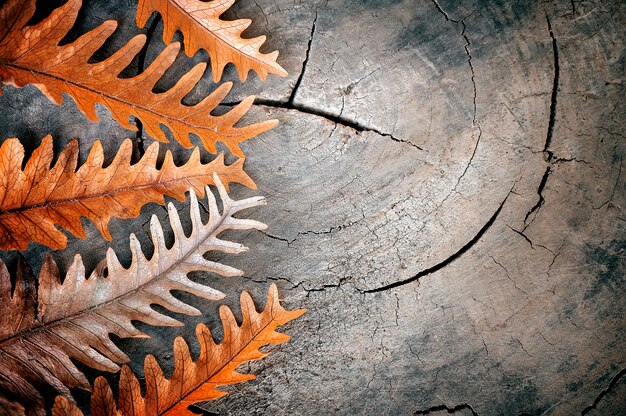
202,28
193,382
31,55
73,319
34,199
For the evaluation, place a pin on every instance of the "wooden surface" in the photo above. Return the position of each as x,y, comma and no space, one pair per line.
445,195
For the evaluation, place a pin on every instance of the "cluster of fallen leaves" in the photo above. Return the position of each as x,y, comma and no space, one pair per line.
50,322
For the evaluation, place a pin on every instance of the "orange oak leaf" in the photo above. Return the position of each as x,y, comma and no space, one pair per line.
41,333
32,55
193,382
35,199
202,28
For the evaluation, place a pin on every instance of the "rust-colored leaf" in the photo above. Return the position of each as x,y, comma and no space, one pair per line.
35,199
193,382
202,28
31,55
73,319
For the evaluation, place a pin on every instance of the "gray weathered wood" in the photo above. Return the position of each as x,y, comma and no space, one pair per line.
446,197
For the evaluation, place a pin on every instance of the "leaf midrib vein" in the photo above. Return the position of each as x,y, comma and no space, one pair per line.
127,103
222,40
110,193
223,365
46,326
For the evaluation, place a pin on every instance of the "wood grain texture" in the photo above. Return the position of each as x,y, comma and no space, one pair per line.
493,310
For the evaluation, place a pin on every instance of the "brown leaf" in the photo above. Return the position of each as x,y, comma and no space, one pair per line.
31,55
34,199
193,382
202,28
73,319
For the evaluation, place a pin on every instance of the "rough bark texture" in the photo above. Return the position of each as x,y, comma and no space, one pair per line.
445,195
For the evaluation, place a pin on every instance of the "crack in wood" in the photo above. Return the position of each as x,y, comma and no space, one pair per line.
555,90
450,258
330,230
343,121
473,78
541,200
440,9
604,392
443,407
304,63
548,154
